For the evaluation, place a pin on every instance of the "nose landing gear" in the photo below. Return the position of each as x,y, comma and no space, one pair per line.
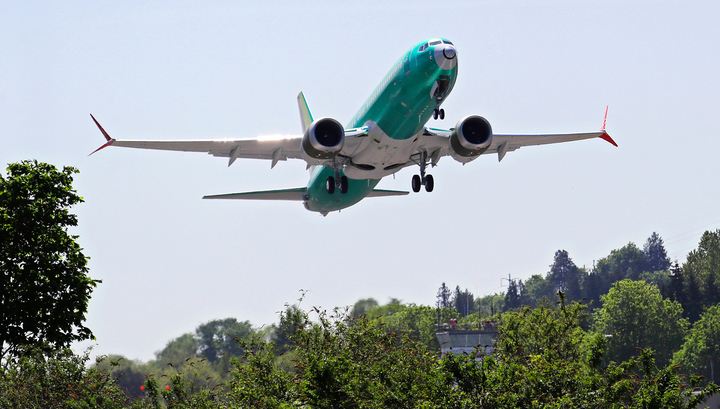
439,113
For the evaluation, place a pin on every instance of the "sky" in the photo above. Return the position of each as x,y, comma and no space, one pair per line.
170,261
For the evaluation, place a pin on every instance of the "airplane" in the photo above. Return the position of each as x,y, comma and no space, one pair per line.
388,133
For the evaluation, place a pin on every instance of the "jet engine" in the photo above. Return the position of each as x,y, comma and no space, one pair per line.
471,137
323,140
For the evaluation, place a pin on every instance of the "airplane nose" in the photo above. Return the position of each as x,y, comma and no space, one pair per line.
445,56
449,52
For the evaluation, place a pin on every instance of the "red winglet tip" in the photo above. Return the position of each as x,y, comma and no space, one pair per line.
107,137
110,142
607,137
605,119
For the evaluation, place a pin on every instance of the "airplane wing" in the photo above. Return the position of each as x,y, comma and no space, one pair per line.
271,148
292,194
504,143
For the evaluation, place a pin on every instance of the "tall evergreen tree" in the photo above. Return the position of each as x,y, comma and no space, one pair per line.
655,254
444,297
564,275
694,304
463,301
512,296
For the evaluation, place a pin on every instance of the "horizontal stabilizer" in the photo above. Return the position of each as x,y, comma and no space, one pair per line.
281,194
381,192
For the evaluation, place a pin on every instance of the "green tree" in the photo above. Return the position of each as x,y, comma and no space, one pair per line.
463,301
635,315
419,323
444,297
703,264
627,262
536,288
655,255
554,332
44,286
178,350
362,306
565,276
513,295
701,350
56,379
218,340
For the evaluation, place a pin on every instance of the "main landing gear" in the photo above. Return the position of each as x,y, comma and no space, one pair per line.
337,181
422,179
341,183
439,113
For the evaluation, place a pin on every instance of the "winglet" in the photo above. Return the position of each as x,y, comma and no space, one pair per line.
605,135
306,118
105,134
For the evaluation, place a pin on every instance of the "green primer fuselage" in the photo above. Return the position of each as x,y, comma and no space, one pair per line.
400,106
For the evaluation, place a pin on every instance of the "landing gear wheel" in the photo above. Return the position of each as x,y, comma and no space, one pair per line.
435,114
330,185
416,182
343,184
429,183
442,113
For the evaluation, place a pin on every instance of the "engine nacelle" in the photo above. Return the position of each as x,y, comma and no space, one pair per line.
323,140
471,137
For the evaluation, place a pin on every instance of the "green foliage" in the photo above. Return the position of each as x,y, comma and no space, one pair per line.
419,323
701,350
56,379
463,301
490,305
218,338
701,274
362,306
635,315
44,287
552,332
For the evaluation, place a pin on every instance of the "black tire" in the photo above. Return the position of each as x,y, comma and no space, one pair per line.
429,183
416,183
442,114
343,184
435,114
330,185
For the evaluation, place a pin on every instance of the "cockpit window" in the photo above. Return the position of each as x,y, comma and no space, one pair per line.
447,42
436,42
423,47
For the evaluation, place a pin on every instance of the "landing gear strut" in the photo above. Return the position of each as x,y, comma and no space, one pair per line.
422,179
337,181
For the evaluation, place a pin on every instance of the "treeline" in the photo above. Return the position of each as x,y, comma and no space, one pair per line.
543,359
637,296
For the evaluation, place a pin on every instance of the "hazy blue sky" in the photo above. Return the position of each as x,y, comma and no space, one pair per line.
169,70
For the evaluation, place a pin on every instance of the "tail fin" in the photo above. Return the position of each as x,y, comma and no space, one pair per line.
306,118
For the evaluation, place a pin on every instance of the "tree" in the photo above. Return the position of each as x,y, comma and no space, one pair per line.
701,350
565,276
703,266
57,379
463,301
362,306
635,315
626,262
655,254
536,288
44,286
512,296
218,339
443,297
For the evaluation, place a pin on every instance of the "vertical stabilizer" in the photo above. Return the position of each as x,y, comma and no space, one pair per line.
306,118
